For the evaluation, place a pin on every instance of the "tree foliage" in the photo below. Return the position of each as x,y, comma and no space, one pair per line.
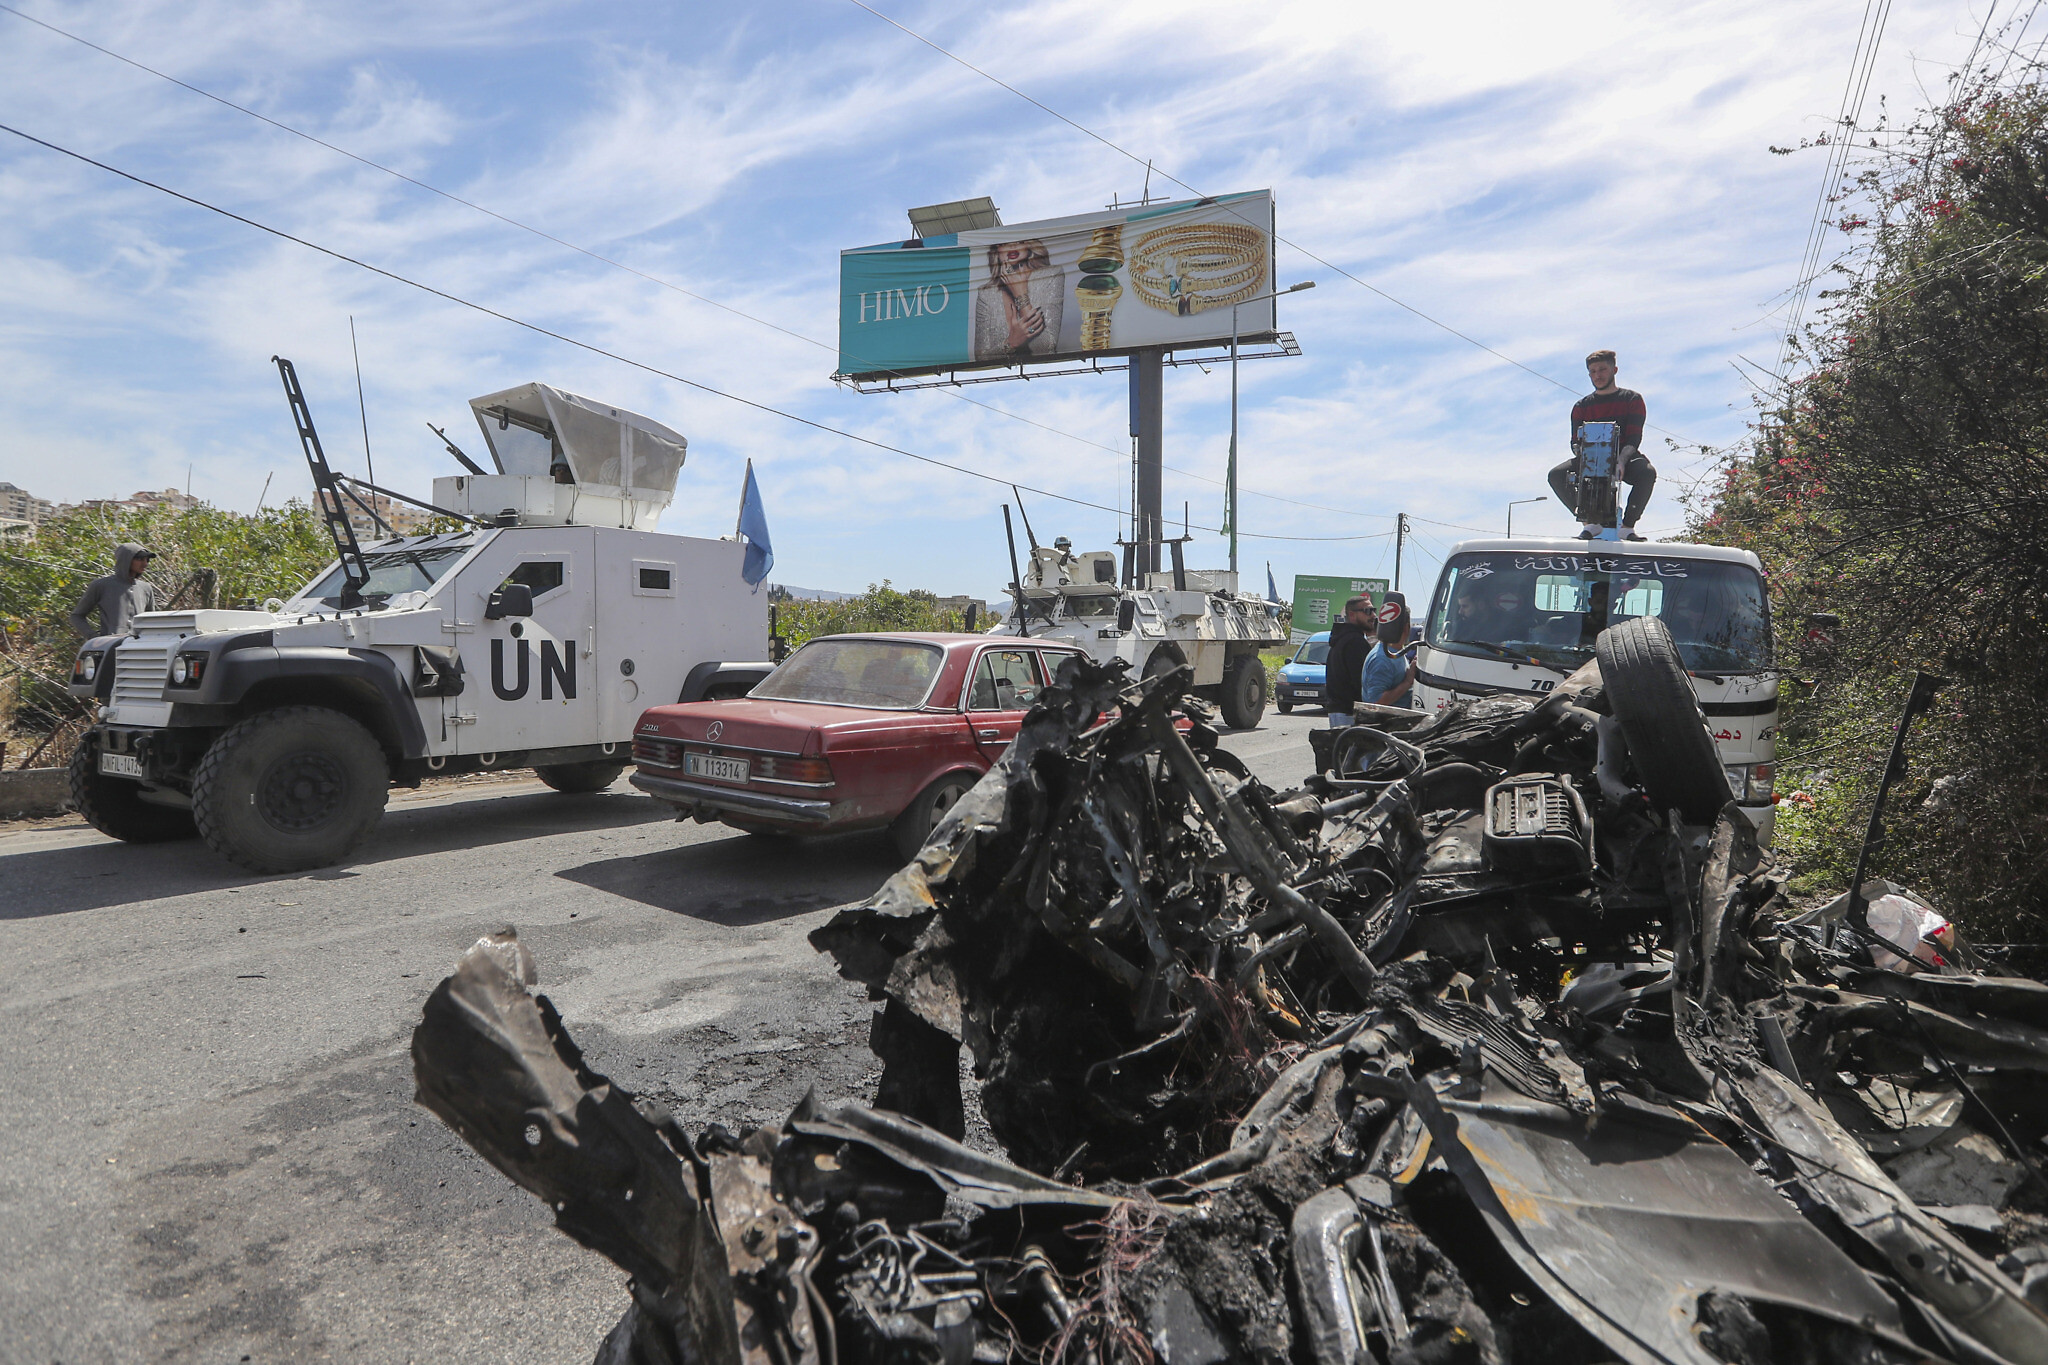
882,607
1902,483
253,556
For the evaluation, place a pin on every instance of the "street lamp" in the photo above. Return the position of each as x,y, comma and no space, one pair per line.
1511,512
1230,485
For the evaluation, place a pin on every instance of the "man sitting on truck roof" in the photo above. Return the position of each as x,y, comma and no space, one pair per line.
1610,403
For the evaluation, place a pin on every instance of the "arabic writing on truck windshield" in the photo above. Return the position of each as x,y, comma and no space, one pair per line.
1553,606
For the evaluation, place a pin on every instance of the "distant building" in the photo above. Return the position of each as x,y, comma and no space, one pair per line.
172,498
18,504
403,520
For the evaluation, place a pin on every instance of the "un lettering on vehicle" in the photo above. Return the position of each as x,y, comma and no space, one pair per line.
557,668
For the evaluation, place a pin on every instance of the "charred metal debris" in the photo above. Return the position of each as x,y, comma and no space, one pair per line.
1493,1042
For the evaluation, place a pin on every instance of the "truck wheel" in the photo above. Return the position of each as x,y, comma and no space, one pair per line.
285,790
922,816
1668,743
1244,691
594,776
114,806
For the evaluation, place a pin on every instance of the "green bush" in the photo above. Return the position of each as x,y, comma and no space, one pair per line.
880,608
267,554
1898,483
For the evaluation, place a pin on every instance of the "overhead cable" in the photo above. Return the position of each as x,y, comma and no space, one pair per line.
616,264
1003,480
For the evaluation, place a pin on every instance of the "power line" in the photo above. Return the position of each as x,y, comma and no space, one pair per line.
607,260
1848,116
534,327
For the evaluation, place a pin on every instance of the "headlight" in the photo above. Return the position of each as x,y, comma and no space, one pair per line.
85,667
1762,783
187,670
1738,779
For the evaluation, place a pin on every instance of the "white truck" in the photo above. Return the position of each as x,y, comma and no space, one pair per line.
1155,622
532,637
1519,615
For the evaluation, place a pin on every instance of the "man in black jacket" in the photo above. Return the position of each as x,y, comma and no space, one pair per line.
1350,638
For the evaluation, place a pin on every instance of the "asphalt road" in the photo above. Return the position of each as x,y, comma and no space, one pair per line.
208,1099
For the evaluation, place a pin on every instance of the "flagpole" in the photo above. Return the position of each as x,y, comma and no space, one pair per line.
740,520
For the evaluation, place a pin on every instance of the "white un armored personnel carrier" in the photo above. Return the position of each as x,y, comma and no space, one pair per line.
1153,621
533,636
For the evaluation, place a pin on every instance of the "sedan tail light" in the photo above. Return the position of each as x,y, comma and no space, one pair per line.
782,769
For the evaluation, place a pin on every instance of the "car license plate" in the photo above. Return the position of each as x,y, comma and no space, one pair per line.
1308,691
120,765
716,767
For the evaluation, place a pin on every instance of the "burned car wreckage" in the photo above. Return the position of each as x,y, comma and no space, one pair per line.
1493,1042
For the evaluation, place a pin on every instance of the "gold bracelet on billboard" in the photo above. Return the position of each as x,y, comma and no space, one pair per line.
1098,289
1198,266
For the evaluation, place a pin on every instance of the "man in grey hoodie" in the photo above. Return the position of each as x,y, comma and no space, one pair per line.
117,596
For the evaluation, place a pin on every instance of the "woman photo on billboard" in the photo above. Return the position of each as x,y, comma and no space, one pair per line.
1017,310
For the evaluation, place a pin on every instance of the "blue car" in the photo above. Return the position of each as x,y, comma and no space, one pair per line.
1301,677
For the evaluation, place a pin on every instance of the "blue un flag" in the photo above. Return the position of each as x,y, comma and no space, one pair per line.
754,526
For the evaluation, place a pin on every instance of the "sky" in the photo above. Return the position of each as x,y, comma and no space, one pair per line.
1544,178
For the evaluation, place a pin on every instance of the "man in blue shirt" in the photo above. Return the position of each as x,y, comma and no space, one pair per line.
1388,678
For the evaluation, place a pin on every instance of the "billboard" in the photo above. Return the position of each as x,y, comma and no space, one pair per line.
1319,600
1062,289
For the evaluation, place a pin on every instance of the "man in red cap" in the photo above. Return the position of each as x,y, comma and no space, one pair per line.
1624,407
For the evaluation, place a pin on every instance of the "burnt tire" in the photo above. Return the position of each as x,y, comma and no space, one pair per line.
290,789
922,816
114,805
578,778
1243,697
1668,742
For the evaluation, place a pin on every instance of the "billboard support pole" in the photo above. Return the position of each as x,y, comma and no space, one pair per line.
1147,421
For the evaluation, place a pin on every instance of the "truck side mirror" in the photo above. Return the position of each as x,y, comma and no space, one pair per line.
1126,614
514,599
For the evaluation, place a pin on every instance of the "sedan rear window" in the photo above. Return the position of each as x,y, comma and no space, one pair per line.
889,674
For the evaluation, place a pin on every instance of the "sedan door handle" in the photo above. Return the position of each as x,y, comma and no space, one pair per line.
988,734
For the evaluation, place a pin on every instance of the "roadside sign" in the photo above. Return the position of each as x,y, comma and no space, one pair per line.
1319,600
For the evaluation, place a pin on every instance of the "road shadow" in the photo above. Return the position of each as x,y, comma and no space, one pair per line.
104,872
747,878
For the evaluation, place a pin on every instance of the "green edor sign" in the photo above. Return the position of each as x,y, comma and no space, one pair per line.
1319,600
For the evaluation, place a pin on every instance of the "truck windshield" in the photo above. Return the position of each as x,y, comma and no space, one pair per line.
391,573
892,675
1553,606
1314,652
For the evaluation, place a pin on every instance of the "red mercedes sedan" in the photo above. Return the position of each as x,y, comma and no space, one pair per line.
850,732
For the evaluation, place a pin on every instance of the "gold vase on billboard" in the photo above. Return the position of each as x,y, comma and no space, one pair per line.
1099,290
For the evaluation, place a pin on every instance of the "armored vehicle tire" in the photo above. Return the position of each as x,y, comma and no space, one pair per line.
574,778
1660,716
922,816
285,790
1244,691
1163,660
115,807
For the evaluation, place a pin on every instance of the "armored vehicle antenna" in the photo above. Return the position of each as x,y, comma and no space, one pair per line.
327,490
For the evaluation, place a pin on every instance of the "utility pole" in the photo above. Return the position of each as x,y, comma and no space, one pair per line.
1400,537
1147,395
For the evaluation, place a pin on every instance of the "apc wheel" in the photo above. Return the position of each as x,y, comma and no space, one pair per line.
286,790
1164,660
114,806
576,778
922,816
1660,716
1244,691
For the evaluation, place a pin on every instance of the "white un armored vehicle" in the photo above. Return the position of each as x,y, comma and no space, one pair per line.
1154,621
533,636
